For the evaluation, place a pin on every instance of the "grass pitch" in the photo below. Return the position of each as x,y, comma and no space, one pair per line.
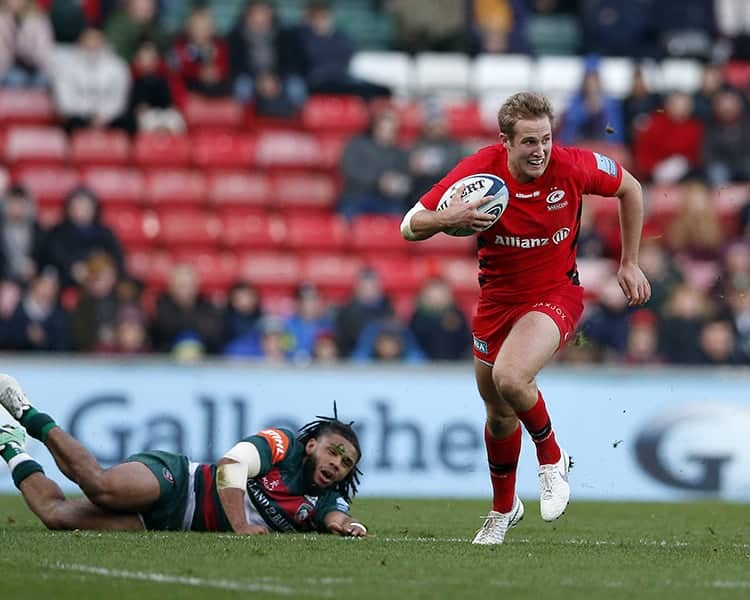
417,549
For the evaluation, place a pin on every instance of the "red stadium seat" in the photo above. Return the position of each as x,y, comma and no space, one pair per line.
99,147
272,272
121,185
461,273
48,184
464,120
133,227
213,113
342,114
175,187
250,229
4,179
330,151
286,149
223,150
183,227
445,245
152,267
41,145
316,191
239,188
316,232
217,271
378,233
333,274
400,273
162,149
26,107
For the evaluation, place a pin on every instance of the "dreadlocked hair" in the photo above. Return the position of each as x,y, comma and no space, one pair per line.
347,487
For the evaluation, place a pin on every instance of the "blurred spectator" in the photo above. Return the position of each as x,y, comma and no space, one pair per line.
135,22
270,341
438,324
433,154
695,230
718,344
726,147
151,106
78,235
258,47
592,114
387,341
183,316
325,350
68,19
243,314
130,334
94,319
591,244
10,296
26,43
375,170
418,29
739,304
642,345
310,319
668,145
325,52
38,322
201,58
638,104
735,270
659,268
271,98
618,27
91,84
606,321
368,303
683,317
712,81
22,240
500,26
686,28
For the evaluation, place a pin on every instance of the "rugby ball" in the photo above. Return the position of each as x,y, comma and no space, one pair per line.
480,185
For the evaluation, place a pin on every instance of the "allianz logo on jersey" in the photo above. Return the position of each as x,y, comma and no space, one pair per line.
515,241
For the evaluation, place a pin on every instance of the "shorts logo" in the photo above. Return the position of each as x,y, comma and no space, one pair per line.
167,474
480,346
277,441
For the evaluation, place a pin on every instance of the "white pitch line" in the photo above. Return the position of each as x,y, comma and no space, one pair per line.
222,584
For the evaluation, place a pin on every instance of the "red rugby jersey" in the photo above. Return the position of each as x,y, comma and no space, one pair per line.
531,249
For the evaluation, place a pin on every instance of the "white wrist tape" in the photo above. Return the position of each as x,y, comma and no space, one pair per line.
406,230
246,453
359,525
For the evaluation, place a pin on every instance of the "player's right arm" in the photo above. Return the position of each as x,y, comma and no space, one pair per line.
232,472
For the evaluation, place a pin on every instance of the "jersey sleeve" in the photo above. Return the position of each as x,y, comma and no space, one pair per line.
328,503
479,162
602,175
273,445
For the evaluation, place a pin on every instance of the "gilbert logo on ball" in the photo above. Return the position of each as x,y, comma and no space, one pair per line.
481,185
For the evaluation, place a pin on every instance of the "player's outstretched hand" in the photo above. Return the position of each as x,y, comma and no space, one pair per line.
634,284
464,215
253,530
348,529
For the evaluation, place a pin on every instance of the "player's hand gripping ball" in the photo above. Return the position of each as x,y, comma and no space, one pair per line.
481,185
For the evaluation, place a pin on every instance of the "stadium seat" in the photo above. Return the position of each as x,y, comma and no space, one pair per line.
287,149
250,229
217,271
25,107
461,273
558,75
152,267
176,187
737,73
680,74
223,150
616,75
99,147
399,273
132,226
212,113
239,188
330,149
4,179
294,191
465,120
445,245
115,184
392,69
594,272
35,144
378,233
48,184
162,149
442,74
316,233
186,227
506,72
336,114
272,272
333,274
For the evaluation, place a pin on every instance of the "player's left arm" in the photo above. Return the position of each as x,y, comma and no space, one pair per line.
344,524
632,280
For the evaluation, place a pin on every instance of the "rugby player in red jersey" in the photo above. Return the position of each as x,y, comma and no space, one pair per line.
273,481
530,295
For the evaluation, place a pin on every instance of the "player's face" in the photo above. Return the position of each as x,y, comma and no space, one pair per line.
529,148
332,458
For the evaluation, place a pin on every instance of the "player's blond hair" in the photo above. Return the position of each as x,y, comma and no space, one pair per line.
523,105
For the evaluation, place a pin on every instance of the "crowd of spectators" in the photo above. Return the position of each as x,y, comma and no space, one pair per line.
111,64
